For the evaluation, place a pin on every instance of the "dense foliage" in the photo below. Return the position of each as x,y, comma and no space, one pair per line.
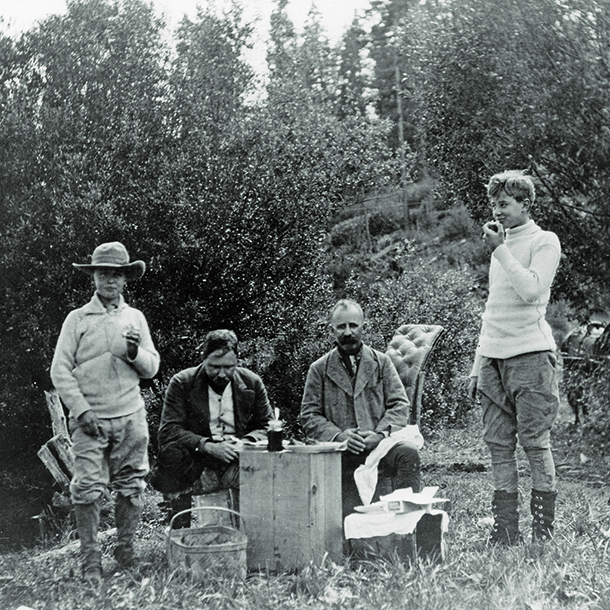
106,133
524,84
113,128
594,390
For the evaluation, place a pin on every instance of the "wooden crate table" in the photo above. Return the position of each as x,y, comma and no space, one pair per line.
291,504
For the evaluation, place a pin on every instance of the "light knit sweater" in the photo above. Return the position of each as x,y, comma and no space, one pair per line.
520,277
91,369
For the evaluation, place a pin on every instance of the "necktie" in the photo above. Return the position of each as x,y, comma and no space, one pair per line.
348,365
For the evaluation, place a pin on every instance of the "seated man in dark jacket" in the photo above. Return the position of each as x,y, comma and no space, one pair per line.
207,410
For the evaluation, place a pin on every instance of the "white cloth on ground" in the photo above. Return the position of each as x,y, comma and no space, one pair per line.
383,523
379,519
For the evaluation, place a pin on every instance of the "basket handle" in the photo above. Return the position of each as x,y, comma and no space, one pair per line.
191,510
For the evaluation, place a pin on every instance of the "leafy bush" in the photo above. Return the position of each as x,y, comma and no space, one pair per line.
588,387
422,295
353,231
458,224
294,351
348,232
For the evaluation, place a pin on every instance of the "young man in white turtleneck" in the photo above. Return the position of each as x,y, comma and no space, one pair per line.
514,372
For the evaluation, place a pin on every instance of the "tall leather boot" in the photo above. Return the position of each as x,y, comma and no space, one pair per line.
87,524
505,510
542,506
127,512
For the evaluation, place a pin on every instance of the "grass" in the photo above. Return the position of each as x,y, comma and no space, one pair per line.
571,572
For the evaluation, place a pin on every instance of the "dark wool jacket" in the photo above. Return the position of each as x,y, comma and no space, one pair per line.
186,414
185,420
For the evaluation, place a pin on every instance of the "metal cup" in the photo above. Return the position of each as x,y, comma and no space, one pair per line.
275,440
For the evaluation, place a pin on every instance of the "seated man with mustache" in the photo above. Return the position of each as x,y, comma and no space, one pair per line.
208,410
354,394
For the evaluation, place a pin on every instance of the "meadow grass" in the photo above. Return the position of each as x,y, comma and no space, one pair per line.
571,572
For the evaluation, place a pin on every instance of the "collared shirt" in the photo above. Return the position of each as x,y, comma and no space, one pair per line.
351,361
222,416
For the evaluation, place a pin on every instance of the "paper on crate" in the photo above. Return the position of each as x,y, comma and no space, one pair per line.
379,520
406,501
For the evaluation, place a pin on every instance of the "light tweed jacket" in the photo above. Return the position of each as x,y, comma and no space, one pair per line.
377,400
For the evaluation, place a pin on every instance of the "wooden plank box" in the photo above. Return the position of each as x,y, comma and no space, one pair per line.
57,456
291,504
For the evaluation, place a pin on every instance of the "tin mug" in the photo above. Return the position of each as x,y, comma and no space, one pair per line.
275,440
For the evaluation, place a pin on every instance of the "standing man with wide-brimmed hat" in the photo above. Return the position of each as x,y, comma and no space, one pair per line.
103,351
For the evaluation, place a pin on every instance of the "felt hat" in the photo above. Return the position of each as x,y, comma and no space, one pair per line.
113,254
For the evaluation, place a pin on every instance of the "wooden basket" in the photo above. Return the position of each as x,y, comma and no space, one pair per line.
212,551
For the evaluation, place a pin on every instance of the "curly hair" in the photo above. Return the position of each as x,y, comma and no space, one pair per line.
514,183
221,339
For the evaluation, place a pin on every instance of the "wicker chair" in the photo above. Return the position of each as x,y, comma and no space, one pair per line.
410,350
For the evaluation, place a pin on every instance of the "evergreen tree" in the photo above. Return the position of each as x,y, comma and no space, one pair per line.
316,61
354,86
390,52
282,47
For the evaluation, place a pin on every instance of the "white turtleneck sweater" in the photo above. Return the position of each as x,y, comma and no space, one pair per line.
520,277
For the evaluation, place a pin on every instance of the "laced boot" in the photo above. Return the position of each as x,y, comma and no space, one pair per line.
542,506
505,510
127,512
87,524
92,571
